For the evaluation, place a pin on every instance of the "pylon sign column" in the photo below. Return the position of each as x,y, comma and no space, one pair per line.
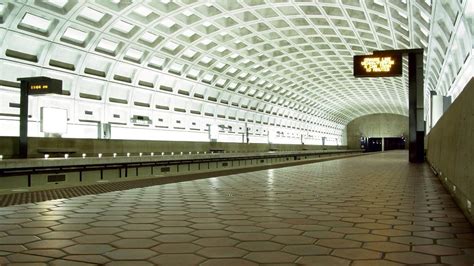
389,64
33,86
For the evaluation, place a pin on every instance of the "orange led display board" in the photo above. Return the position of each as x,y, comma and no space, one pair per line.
377,65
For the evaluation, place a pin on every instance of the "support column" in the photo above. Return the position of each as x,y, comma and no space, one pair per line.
23,140
383,144
415,107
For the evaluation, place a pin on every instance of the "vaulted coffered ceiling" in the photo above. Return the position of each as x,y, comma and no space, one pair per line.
294,54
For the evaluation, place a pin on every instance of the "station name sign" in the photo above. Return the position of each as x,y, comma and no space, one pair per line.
384,65
43,85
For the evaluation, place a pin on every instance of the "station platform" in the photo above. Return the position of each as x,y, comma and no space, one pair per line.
367,210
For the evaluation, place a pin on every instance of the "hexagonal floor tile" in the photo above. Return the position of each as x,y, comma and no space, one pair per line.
177,259
251,236
391,232
457,243
211,233
323,234
437,250
96,239
177,248
216,242
137,234
90,249
462,260
271,257
366,237
51,243
386,246
322,260
60,235
356,253
222,252
338,243
282,231
410,257
228,262
175,238
174,230
375,263
130,254
260,246
8,240
411,240
94,259
134,243
27,258
306,250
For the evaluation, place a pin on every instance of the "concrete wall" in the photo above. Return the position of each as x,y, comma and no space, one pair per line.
376,125
9,146
451,149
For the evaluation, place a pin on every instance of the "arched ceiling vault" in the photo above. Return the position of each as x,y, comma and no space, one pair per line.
297,54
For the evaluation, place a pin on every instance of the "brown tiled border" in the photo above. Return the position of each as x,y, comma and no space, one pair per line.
76,191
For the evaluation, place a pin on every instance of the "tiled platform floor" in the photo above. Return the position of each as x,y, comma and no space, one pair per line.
368,210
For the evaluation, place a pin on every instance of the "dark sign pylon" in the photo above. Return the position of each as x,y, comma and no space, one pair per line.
33,86
415,97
